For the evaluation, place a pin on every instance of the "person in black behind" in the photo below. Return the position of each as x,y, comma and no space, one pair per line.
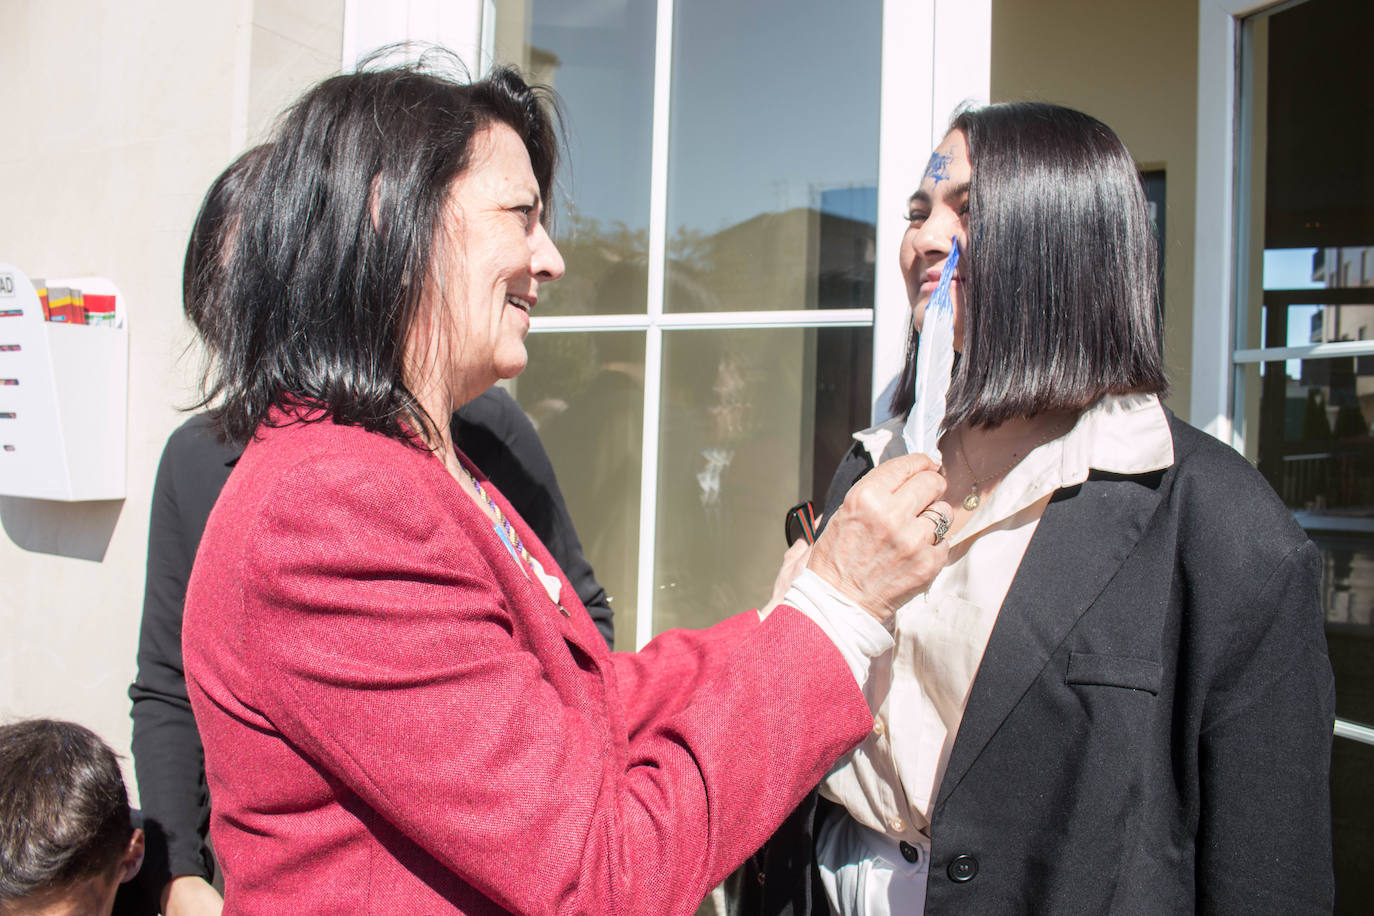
168,758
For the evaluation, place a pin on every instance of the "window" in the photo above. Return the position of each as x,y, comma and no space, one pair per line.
1303,364
701,366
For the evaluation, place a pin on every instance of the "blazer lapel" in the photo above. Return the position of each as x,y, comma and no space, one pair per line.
1084,536
576,625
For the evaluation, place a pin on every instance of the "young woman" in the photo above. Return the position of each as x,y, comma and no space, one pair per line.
1115,697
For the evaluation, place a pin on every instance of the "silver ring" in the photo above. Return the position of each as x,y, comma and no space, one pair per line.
940,520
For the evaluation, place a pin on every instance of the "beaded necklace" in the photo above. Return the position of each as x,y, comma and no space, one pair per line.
511,538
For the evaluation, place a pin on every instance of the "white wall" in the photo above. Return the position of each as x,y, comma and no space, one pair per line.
118,117
1135,66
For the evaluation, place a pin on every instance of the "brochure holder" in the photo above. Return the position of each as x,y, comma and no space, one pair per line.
64,394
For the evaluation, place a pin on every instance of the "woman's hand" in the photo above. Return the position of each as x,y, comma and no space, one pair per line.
876,551
191,895
793,562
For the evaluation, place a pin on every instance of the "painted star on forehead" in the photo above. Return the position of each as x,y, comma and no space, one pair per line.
938,167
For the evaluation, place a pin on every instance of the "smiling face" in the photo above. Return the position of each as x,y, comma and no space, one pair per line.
493,254
937,213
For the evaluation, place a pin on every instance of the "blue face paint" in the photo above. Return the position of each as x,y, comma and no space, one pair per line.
938,167
940,300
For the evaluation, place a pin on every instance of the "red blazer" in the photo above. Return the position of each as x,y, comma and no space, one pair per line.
396,720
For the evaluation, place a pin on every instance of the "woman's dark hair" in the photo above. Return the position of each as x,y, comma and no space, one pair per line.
1059,294
64,812
204,272
339,229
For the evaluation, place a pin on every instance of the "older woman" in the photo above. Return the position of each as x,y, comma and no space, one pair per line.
492,431
1115,697
405,709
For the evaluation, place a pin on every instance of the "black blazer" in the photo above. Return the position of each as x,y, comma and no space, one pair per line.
1150,729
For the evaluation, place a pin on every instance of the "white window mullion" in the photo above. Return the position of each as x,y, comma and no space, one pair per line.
653,343
905,113
1309,351
937,54
791,318
1354,731
961,58
1212,404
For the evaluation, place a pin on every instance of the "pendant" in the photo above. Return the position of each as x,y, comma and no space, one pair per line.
971,501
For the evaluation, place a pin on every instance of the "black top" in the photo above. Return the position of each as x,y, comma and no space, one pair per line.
169,761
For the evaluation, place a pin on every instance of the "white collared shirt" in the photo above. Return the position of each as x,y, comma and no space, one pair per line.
919,690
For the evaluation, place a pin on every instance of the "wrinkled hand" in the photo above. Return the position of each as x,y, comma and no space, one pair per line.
793,562
191,895
876,551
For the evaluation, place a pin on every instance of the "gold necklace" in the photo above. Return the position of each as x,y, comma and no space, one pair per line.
507,533
973,500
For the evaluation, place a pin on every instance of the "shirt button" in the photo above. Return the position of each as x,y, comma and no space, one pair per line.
897,824
962,868
909,852
878,727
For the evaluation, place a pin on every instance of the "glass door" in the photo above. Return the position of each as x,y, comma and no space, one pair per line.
1304,356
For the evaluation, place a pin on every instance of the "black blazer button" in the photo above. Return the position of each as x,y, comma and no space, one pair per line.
962,868
909,852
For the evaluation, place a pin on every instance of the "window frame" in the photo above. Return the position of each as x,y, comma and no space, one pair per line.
1220,241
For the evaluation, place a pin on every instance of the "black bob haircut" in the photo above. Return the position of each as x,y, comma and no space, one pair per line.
1060,294
340,227
64,812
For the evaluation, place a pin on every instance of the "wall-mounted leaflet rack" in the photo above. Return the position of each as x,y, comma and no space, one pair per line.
64,395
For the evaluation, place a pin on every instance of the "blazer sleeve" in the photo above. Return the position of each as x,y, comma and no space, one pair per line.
387,650
658,680
1264,835
168,758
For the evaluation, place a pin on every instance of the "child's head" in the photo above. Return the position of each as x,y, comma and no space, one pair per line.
66,840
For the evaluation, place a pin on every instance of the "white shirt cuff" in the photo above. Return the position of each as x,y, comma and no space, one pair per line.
855,632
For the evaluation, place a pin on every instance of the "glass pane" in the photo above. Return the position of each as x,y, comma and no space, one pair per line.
1294,319
1314,442
773,164
585,393
598,55
1310,236
1316,120
1318,268
1317,295
753,422
1316,451
1348,590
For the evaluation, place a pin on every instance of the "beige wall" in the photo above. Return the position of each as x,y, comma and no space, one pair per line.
1134,66
118,117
